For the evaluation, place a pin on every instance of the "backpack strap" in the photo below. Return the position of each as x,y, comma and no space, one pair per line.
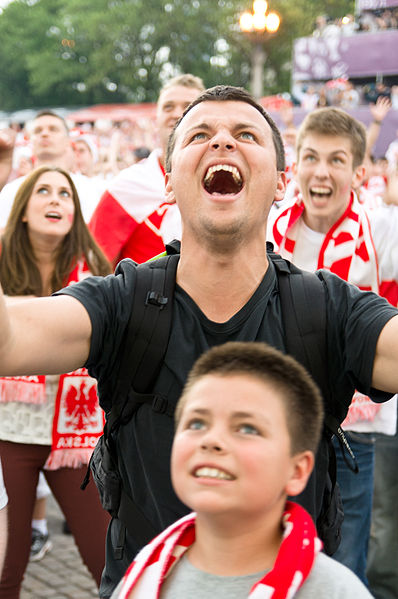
146,336
143,349
303,303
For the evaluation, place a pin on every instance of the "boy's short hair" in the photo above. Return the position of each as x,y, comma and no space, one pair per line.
334,121
229,93
186,80
300,395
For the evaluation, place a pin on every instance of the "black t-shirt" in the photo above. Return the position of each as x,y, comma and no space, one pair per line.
354,322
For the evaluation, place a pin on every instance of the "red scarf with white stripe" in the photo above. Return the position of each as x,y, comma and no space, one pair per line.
347,250
294,561
78,419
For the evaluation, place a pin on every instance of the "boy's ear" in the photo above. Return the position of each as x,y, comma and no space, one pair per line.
302,464
358,176
169,196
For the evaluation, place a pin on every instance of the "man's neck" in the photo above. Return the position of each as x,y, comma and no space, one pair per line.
57,161
221,284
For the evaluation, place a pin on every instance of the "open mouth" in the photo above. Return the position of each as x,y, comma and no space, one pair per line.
53,215
223,179
206,472
321,193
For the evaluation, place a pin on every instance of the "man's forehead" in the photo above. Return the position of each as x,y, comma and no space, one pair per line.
48,119
178,93
228,112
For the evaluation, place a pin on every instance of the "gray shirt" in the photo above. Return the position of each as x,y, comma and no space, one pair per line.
327,580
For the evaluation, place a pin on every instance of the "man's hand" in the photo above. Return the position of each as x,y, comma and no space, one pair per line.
380,110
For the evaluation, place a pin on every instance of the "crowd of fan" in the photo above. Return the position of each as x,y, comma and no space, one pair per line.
368,21
342,93
100,149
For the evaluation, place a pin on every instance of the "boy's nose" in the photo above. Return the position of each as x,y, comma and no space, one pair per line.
321,170
212,442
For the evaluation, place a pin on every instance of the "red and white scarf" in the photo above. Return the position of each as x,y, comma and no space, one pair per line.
347,250
78,419
294,561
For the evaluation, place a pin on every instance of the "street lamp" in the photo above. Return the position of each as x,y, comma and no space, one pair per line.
258,24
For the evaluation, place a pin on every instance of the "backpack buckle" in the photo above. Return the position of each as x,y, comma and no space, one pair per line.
156,299
161,405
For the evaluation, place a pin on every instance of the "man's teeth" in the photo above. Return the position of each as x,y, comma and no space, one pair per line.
320,190
212,473
223,167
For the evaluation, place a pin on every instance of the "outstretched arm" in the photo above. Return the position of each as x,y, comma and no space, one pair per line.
48,335
385,369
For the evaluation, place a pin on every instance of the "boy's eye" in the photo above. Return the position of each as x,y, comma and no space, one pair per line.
248,429
195,424
338,160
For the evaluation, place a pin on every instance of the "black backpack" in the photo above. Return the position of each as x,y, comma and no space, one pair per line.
303,303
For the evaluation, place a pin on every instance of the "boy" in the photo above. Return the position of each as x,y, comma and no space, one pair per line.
235,462
325,227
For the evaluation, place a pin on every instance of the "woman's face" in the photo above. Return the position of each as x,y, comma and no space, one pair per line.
50,210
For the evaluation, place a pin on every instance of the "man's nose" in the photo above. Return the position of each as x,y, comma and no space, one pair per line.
223,140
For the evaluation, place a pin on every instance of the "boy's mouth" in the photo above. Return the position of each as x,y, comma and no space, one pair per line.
207,472
223,179
321,193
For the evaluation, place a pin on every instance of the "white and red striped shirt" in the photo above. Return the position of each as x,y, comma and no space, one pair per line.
132,219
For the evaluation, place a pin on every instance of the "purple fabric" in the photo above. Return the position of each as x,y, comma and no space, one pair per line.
374,4
359,55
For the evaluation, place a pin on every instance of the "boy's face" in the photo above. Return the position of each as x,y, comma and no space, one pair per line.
232,452
326,175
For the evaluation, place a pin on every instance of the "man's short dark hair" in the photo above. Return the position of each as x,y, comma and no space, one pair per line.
227,93
300,395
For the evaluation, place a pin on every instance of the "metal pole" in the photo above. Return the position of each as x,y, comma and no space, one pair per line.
257,74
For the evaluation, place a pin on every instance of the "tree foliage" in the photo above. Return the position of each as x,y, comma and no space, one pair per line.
74,52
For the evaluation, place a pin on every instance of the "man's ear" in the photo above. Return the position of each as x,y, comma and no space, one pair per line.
169,195
280,186
302,464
